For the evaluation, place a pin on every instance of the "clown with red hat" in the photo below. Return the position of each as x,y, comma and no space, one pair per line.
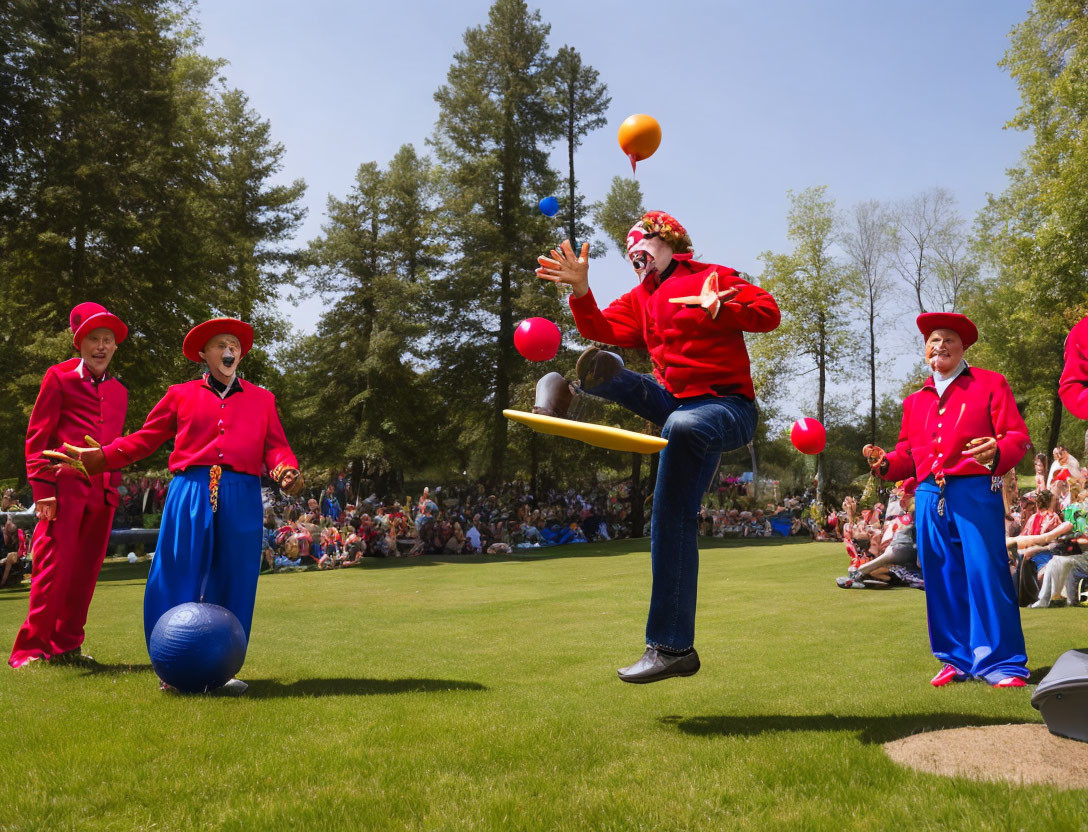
961,433
78,401
226,433
691,318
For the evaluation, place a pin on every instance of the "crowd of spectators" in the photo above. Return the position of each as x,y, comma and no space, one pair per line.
1046,533
333,532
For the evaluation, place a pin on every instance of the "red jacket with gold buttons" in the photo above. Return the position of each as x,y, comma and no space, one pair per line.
1073,387
936,430
693,354
70,406
241,432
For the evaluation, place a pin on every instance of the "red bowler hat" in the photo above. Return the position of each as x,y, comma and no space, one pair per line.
90,315
201,334
960,324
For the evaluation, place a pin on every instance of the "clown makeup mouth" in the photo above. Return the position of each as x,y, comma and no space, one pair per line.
642,262
228,360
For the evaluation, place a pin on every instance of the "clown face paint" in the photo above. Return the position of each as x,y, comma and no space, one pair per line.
222,354
648,253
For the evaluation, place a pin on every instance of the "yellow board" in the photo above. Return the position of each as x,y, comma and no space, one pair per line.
601,436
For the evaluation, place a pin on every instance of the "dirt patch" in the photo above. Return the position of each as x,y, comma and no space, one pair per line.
1012,753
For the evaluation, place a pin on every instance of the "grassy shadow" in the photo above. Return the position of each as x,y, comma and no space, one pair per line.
275,689
1038,674
99,669
870,729
122,570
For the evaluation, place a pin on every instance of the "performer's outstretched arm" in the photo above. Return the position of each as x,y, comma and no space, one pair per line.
1073,387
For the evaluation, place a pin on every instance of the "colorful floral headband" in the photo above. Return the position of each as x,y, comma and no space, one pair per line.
668,228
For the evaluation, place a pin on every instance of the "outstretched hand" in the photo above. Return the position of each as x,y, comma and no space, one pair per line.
89,461
564,267
874,455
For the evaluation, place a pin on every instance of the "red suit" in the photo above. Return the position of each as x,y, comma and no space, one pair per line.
241,432
693,353
68,551
1073,387
936,429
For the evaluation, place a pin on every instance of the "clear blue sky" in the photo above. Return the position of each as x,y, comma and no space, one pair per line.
874,99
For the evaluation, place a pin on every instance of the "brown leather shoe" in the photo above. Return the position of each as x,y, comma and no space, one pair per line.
655,666
553,396
596,366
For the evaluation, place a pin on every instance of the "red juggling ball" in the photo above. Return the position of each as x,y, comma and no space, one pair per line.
808,436
537,339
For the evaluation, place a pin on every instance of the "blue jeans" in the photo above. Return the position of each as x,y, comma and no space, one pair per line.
699,430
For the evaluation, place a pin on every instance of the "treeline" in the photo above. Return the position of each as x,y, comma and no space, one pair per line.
1020,272
131,174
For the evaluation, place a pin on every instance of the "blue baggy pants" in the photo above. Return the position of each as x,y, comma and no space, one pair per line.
971,603
206,556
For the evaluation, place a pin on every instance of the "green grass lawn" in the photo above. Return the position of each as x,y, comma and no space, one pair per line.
480,693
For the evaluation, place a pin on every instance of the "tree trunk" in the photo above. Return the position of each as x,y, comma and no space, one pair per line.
355,492
872,374
755,469
1055,422
573,228
502,379
638,518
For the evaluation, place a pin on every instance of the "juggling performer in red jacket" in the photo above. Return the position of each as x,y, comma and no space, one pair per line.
961,432
691,317
1073,387
226,432
78,399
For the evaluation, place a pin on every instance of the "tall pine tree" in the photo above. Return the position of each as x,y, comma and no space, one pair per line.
492,137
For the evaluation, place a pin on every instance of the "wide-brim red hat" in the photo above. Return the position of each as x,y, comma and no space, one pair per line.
89,316
201,334
960,324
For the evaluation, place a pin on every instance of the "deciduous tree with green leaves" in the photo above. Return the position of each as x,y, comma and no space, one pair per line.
813,291
1033,237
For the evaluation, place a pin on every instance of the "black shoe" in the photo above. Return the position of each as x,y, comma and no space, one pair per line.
596,366
655,666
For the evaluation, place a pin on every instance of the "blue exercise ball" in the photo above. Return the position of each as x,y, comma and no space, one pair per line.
549,206
197,647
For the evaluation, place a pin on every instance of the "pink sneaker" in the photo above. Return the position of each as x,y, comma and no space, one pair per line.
948,674
1011,682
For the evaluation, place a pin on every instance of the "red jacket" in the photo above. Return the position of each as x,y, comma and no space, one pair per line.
692,353
935,431
1073,387
242,431
70,406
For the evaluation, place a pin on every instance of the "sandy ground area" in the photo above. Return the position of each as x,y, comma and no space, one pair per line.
1013,753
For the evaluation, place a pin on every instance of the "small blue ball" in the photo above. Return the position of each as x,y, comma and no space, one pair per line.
197,647
549,206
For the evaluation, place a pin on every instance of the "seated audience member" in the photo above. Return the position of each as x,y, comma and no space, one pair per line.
473,542
16,564
899,550
1068,557
1064,467
455,544
1043,518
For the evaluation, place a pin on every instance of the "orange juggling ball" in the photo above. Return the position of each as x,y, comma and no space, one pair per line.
639,137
